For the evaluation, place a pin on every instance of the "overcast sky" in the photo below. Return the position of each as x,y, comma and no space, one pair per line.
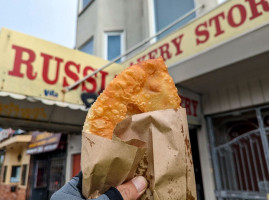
51,20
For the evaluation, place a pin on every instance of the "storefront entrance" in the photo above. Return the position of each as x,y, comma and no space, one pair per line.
48,164
48,174
240,153
196,163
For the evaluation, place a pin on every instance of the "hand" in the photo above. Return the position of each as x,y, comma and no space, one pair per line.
134,188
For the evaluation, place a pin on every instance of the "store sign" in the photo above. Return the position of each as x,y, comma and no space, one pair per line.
227,21
14,109
38,68
191,101
43,142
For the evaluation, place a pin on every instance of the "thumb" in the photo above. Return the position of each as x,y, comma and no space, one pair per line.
133,189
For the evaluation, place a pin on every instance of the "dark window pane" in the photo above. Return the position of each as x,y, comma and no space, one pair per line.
113,46
88,47
167,12
57,173
15,174
41,174
23,174
231,126
1,158
4,174
85,3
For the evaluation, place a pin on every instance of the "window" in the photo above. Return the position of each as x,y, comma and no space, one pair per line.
233,125
23,175
57,173
41,173
114,46
83,4
167,12
1,158
4,174
87,47
15,174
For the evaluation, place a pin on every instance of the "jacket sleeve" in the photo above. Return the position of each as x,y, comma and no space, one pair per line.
72,191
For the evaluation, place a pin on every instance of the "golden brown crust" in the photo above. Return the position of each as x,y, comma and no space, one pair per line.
143,87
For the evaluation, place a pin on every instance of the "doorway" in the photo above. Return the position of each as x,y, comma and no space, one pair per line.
48,174
196,164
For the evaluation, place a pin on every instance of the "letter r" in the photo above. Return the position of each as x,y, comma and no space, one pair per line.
16,71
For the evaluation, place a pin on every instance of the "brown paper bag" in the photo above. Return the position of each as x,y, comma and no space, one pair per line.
153,144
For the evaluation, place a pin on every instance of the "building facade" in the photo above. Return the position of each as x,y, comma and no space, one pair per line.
33,165
218,53
14,164
47,108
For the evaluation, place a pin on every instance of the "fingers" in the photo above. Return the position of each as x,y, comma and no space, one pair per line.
133,188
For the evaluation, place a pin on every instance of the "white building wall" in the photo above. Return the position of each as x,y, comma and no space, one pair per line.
244,93
118,15
133,18
86,29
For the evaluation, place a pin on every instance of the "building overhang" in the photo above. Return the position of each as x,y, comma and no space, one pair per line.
227,34
36,115
15,141
242,71
245,46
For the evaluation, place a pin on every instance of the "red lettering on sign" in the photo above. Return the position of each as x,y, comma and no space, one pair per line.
152,54
103,81
90,80
243,15
73,75
51,70
46,65
191,105
164,51
216,21
254,7
177,43
188,106
19,51
141,58
194,106
236,16
201,31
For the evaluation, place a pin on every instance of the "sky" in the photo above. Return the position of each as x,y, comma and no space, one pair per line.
51,20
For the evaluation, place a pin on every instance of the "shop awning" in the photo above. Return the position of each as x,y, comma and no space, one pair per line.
16,140
33,113
43,142
33,74
44,101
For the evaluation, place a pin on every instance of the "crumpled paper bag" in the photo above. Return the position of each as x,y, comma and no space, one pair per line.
154,144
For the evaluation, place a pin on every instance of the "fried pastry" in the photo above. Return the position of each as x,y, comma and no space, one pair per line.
143,87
